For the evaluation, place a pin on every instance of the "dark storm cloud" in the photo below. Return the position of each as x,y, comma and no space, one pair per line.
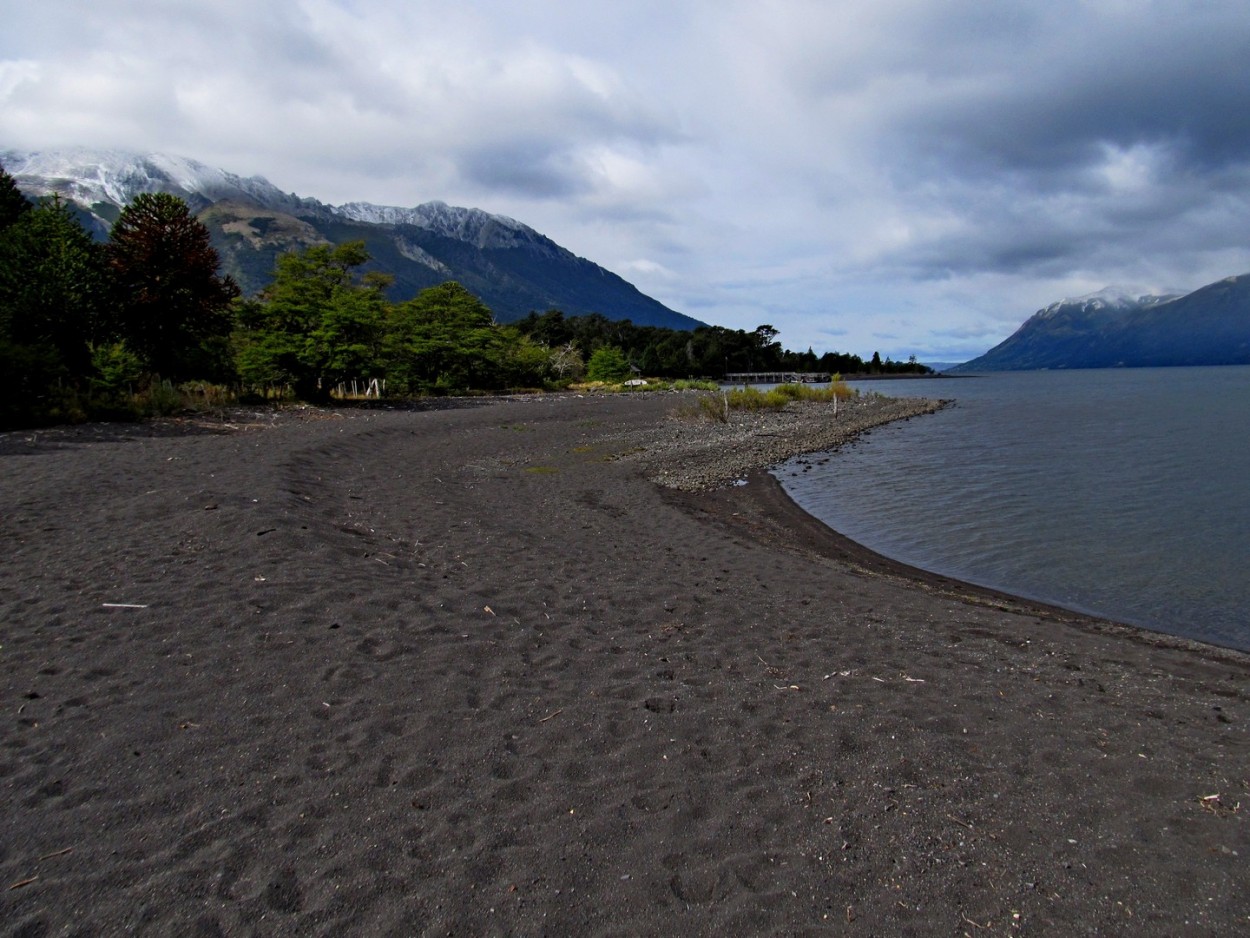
1195,101
534,172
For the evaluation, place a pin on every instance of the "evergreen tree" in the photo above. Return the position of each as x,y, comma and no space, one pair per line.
172,305
445,338
320,322
51,284
607,364
13,205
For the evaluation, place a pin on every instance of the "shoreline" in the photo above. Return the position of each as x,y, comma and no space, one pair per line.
467,669
807,433
765,505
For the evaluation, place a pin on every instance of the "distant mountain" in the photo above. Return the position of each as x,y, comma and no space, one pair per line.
1117,329
512,267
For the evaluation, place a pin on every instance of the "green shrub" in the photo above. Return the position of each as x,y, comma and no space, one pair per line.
717,407
117,369
161,399
753,399
837,389
203,396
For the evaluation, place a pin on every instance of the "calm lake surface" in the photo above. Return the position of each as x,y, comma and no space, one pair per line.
1121,492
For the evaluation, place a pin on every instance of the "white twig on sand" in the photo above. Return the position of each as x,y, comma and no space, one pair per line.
124,605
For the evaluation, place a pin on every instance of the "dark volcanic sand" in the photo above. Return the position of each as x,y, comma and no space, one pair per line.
460,671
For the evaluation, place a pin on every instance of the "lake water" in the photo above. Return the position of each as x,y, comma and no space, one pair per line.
1122,492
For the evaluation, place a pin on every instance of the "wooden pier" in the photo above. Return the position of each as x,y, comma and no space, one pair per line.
778,377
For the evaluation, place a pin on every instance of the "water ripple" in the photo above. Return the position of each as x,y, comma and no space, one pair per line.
1122,492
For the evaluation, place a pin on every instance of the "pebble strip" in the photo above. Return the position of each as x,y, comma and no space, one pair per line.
694,452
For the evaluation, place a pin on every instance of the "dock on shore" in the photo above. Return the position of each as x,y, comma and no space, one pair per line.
778,377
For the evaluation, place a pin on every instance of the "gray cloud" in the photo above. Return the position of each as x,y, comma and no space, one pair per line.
849,171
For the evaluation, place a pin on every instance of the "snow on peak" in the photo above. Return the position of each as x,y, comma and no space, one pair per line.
435,215
463,224
1111,296
93,176
116,176
1114,298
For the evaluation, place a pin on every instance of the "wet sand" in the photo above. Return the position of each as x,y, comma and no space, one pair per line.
468,670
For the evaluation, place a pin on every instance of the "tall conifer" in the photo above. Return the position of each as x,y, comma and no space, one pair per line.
171,301
12,203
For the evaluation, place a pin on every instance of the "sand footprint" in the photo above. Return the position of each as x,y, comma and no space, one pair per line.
283,894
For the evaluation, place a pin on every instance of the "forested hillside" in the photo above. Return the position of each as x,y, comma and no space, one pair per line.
146,321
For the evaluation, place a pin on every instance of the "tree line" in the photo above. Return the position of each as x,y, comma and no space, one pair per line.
708,351
97,330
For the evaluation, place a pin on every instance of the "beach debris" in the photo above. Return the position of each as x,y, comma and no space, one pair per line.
124,605
1215,805
551,716
771,671
488,609
23,882
57,853
913,680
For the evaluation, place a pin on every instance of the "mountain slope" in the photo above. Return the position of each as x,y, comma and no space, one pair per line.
1111,329
512,267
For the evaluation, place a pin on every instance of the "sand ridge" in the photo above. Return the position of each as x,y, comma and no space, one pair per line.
469,671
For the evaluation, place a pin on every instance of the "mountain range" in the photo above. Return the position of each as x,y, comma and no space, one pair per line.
510,266
1124,329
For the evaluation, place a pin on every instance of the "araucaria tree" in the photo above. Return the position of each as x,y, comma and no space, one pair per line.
172,305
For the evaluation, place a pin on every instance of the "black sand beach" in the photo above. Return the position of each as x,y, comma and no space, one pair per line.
469,670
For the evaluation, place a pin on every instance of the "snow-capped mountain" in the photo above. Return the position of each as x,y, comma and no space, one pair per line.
1109,298
95,179
1127,328
512,267
114,177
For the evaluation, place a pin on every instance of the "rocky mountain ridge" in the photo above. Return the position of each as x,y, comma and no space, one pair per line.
511,266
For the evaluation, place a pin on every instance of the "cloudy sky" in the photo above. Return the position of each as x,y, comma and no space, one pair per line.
903,176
